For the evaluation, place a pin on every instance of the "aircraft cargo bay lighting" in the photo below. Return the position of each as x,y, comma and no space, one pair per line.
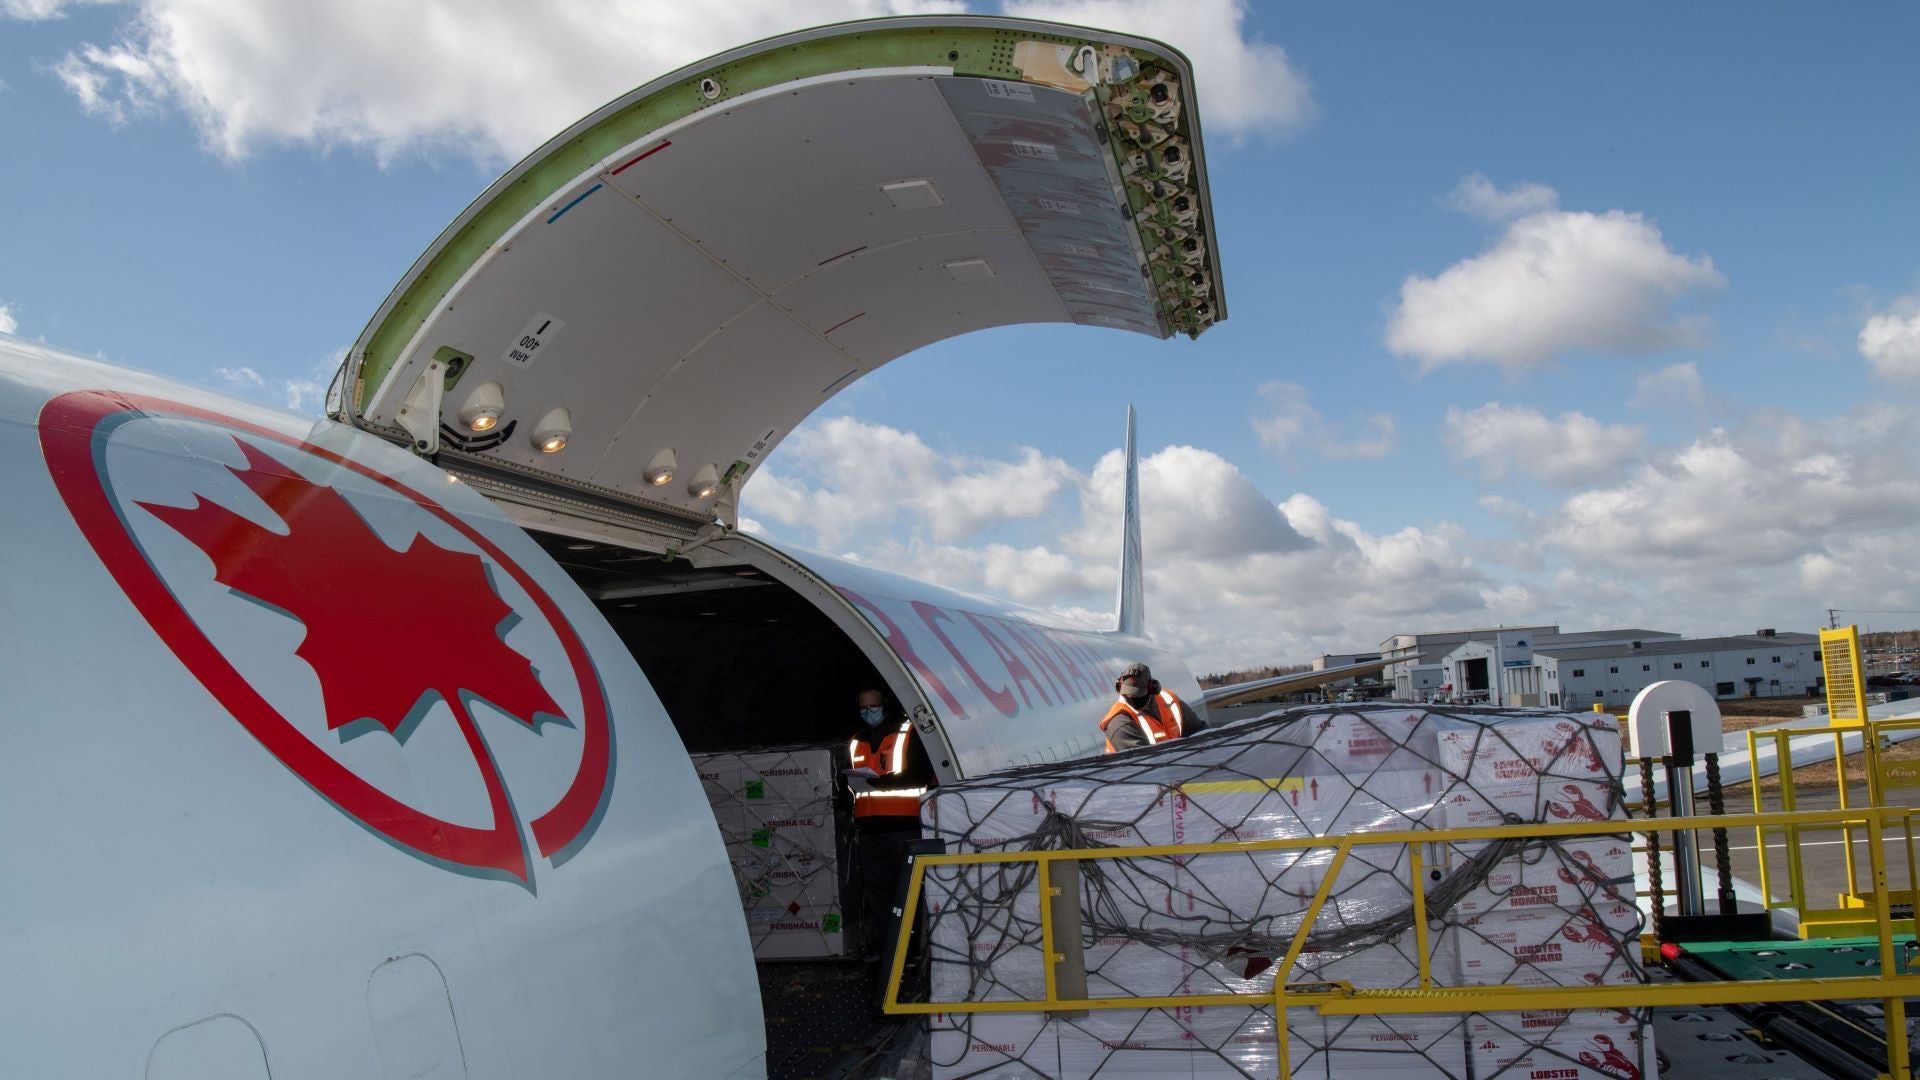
555,429
660,470
705,482
484,406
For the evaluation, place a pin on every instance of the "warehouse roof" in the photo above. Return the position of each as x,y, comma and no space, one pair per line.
1627,634
1740,643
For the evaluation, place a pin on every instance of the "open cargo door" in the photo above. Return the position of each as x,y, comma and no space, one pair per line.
626,324
616,334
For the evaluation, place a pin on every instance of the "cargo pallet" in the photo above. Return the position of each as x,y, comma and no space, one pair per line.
1888,982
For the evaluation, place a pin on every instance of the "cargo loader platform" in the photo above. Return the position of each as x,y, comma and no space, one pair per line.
1842,1037
1378,938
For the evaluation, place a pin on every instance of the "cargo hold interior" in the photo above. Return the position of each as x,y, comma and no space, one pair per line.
743,662
740,660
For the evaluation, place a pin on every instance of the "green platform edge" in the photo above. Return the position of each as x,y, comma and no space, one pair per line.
1824,958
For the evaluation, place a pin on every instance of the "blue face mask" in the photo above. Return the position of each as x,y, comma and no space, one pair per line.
874,715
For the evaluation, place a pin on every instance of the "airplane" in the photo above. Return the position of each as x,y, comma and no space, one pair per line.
359,746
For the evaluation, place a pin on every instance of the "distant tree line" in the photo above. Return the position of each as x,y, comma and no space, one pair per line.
1228,678
1890,639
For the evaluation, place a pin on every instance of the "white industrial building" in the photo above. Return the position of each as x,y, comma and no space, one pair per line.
1762,664
1502,670
1520,666
1417,674
1334,660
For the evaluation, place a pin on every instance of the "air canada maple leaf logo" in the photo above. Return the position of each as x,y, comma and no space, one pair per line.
369,669
388,631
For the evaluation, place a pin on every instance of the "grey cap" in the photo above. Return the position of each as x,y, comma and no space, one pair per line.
1136,680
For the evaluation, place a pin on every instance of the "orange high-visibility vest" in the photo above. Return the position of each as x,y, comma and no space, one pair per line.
1159,723
887,759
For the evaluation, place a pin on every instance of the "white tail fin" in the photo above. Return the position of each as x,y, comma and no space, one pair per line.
1133,586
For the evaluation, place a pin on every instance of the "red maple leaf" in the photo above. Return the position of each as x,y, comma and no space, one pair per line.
385,629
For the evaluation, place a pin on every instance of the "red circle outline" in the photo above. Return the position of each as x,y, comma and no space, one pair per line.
69,425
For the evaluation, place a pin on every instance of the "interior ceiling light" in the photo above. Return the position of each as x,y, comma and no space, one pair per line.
705,482
912,194
484,406
660,469
555,429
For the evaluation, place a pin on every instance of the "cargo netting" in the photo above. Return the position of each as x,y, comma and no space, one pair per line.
1533,912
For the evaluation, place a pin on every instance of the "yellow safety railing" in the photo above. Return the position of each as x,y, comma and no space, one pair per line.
1846,682
1891,985
1883,780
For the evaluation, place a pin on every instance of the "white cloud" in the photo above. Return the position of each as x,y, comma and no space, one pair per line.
1233,577
488,78
1037,575
8,324
302,395
42,10
1288,419
1568,451
1476,196
1502,507
1246,86
1890,341
1739,528
869,476
994,492
1762,524
115,84
1780,492
492,79
1676,385
1555,282
1195,505
241,378
295,393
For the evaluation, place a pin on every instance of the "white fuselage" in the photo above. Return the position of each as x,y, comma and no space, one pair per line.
253,835
208,879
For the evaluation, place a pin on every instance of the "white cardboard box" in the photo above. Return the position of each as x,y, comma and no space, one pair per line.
1583,1044
1376,1048
1594,945
993,1046
1200,1043
775,813
794,930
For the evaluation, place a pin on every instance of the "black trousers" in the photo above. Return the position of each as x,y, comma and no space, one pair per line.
879,854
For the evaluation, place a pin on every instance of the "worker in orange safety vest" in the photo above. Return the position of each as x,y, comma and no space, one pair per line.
1145,714
890,770
888,773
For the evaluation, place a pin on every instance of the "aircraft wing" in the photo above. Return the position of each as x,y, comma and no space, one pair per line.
1239,693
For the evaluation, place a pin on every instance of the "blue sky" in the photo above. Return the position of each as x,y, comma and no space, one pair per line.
1596,316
